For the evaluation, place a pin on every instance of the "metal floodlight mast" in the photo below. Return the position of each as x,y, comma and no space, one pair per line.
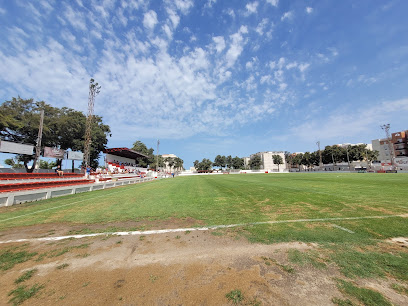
94,90
386,128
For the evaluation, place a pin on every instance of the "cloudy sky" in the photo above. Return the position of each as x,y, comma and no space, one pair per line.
215,76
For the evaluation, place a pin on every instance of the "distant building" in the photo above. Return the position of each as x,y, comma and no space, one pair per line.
167,167
399,142
267,163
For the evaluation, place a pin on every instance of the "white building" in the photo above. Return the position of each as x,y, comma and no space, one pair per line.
267,163
167,167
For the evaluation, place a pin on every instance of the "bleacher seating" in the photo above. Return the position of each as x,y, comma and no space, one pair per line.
29,176
13,182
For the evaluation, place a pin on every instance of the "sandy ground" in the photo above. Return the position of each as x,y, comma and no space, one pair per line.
196,268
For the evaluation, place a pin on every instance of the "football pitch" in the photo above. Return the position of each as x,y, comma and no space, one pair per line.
348,231
270,207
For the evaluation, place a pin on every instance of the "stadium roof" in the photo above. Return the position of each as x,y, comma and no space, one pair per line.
124,152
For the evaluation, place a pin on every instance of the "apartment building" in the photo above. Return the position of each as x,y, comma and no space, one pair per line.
399,142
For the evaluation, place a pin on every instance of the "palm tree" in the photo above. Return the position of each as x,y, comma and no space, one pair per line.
169,161
178,163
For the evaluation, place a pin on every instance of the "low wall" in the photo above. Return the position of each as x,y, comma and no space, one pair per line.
12,198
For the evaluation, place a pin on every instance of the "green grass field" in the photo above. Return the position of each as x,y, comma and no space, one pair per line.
244,198
377,204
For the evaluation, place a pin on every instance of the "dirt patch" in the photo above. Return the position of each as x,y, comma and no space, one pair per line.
188,268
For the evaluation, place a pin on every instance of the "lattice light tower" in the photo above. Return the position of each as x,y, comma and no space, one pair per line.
94,90
386,128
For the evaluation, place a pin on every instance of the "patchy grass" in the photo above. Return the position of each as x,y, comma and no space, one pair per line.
341,302
59,252
22,293
10,257
235,296
364,295
368,264
400,289
63,266
26,275
306,258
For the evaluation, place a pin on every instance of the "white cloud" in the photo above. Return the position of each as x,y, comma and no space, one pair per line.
2,11
309,10
76,19
303,67
219,43
252,7
273,2
150,20
347,122
183,6
261,26
288,15
237,46
291,65
175,19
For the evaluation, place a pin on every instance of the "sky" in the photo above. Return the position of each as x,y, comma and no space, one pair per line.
213,77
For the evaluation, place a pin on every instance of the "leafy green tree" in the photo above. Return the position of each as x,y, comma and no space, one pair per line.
140,147
237,162
255,162
306,159
170,162
205,164
196,164
277,160
46,165
334,154
220,161
15,164
297,160
153,165
229,161
63,128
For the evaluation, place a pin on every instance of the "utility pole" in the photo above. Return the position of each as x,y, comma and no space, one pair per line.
94,90
386,128
320,156
39,138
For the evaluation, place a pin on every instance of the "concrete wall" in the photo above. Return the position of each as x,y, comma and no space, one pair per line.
12,198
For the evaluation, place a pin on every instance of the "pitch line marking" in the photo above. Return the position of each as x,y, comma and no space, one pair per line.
343,228
176,230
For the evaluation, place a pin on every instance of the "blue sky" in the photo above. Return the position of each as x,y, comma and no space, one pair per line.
215,77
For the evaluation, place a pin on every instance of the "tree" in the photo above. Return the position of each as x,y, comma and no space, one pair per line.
220,161
15,164
178,163
306,160
196,164
46,165
154,164
255,162
205,164
229,161
333,154
237,163
140,147
169,161
277,160
63,128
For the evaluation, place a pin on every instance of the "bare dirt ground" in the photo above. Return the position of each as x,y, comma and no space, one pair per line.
188,268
